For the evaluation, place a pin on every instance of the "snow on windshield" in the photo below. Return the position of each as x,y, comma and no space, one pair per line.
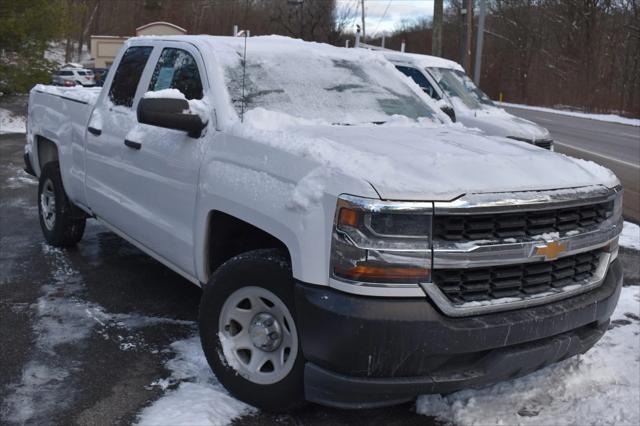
320,82
458,85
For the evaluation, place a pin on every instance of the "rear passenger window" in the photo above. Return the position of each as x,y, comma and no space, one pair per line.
125,82
176,69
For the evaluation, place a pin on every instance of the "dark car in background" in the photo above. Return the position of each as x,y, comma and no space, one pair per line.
100,74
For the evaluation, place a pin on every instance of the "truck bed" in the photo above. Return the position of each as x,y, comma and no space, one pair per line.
86,95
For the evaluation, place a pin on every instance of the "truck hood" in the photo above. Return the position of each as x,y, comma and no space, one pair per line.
443,162
498,122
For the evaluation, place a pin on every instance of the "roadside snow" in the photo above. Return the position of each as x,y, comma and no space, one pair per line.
601,387
198,399
10,123
630,236
610,118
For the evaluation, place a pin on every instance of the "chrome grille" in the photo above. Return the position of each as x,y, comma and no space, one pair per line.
519,281
468,227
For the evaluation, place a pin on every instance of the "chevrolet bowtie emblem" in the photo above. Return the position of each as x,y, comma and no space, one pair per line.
551,250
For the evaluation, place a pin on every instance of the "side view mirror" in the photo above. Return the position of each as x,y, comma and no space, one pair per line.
449,111
170,114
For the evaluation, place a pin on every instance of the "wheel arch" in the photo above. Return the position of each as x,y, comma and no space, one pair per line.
46,152
227,235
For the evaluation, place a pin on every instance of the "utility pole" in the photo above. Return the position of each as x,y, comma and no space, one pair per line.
467,24
364,39
477,68
436,39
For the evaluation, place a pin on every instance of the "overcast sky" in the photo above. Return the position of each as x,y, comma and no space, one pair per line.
378,21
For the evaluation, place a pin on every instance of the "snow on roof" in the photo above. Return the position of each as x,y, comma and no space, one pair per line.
423,61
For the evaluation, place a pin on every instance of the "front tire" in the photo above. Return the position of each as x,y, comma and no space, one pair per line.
248,331
62,223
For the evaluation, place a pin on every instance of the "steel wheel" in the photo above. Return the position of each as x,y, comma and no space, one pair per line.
258,335
48,205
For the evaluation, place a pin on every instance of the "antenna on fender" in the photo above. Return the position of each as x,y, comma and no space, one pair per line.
245,34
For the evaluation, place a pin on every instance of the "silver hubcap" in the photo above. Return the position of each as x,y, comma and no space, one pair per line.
258,335
48,205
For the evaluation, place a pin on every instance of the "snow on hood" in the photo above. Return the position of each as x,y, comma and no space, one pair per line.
404,160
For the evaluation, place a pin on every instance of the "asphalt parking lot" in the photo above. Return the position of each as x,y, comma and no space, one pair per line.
86,332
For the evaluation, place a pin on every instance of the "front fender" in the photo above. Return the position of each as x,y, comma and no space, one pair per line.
285,195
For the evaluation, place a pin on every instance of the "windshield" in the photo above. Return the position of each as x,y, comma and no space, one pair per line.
314,83
458,85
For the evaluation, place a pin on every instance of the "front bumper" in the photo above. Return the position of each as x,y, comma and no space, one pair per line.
367,352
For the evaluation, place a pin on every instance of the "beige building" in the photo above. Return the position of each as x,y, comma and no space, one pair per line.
105,48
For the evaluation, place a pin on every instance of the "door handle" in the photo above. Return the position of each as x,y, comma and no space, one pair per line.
132,144
94,131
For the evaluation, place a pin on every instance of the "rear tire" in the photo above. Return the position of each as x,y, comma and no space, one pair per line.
62,223
249,304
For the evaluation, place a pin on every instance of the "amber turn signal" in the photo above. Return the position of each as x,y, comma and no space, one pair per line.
378,273
348,217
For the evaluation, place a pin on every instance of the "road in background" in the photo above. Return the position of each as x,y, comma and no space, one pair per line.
616,146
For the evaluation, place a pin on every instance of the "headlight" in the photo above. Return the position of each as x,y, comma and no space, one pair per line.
381,242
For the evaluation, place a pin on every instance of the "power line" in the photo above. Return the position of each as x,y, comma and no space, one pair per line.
375,32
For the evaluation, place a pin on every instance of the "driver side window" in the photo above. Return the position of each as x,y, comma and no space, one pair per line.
177,69
419,79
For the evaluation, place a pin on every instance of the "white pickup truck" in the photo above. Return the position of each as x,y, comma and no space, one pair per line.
355,248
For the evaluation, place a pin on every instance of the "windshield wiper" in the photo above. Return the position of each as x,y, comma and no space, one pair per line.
377,123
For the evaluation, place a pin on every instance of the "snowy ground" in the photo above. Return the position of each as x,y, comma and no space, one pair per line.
610,118
10,123
601,387
630,236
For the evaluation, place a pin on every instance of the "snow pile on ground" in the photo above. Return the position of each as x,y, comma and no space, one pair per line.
18,178
198,398
630,236
611,118
601,387
10,123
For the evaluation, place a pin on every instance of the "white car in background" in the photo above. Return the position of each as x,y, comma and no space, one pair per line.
445,80
74,77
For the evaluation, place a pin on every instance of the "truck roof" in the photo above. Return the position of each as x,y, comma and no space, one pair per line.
263,44
422,61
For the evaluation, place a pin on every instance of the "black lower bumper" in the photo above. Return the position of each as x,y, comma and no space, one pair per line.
366,352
